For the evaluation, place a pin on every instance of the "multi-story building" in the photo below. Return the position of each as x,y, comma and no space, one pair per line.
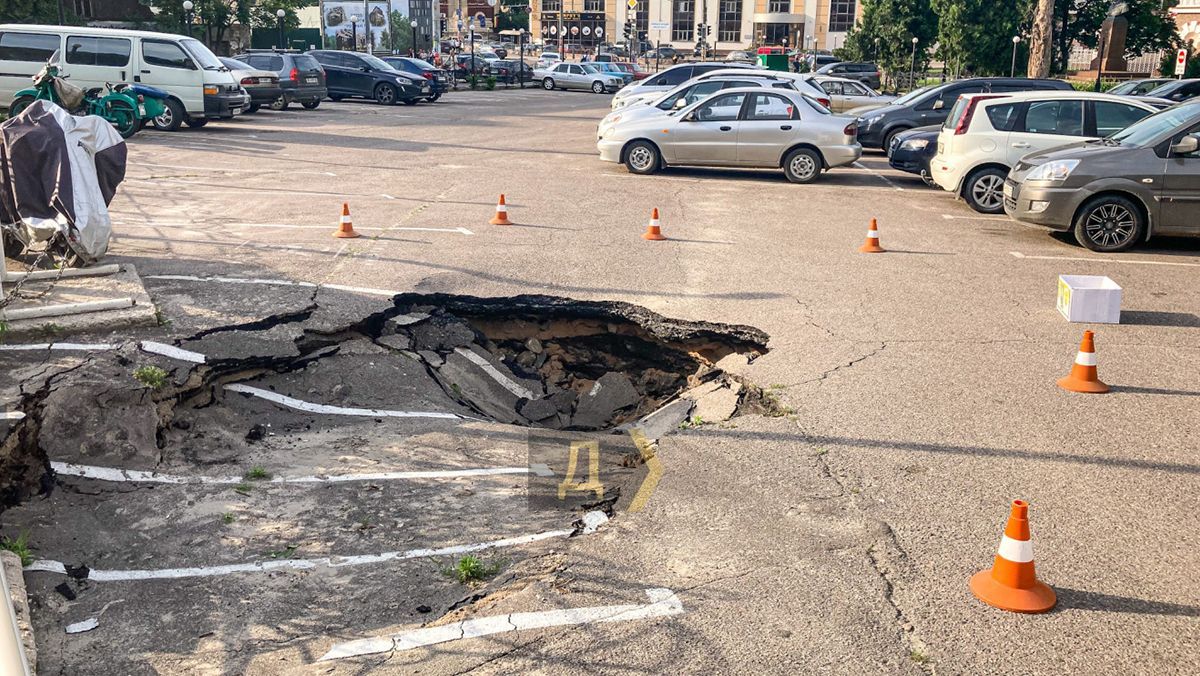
734,24
1187,18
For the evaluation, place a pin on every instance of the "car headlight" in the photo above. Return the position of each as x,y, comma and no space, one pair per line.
914,144
1054,171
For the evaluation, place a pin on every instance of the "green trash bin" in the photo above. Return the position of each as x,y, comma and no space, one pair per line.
774,61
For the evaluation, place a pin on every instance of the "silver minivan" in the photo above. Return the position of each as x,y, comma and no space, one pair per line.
200,87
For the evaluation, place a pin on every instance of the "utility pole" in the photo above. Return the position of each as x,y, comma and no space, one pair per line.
704,31
1041,39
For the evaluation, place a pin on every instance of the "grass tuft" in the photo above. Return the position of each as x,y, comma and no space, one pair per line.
19,546
470,569
150,376
257,473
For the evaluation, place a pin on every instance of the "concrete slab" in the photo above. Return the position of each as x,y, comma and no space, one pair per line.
124,284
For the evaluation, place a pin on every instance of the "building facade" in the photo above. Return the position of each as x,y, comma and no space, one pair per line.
734,24
1187,17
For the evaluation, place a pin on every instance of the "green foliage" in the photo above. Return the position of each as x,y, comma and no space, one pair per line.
893,23
975,36
257,473
262,13
150,376
473,81
470,569
402,33
19,546
285,553
489,83
228,518
36,11
1090,85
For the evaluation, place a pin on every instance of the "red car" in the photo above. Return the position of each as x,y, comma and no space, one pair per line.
638,73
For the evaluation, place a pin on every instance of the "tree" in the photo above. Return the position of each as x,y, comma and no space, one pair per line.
1150,27
976,35
1041,40
885,33
402,37
262,14
35,11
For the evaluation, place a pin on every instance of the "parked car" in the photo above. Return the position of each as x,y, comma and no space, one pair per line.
351,74
912,150
665,53
745,127
1139,87
633,69
578,76
863,71
464,66
439,81
816,60
1177,90
200,88
851,95
600,58
613,69
548,59
511,72
701,48
669,79
300,76
798,81
1115,192
262,85
986,134
930,105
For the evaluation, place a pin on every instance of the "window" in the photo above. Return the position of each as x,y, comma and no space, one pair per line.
770,107
683,18
576,70
834,88
853,89
692,94
551,5
841,15
1055,117
89,51
305,62
779,6
671,77
721,109
27,47
951,95
166,54
1004,117
729,21
1113,117
784,85
274,63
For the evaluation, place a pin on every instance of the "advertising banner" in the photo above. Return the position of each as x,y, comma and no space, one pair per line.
340,32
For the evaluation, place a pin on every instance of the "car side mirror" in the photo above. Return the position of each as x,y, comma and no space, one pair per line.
690,117
1186,145
939,104
365,69
680,103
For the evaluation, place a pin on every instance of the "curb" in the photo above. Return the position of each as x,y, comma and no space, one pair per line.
17,611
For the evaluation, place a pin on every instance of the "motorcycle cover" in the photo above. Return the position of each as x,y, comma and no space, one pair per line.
58,173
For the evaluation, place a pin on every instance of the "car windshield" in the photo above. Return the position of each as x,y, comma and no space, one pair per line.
234,64
1163,90
912,95
206,59
1150,129
424,65
375,62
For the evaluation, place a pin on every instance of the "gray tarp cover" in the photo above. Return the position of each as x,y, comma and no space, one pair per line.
58,173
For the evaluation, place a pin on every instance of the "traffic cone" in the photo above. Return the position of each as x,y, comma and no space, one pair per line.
872,243
501,217
1083,374
653,232
1011,584
345,228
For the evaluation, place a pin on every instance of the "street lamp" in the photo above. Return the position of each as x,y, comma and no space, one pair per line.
876,50
1012,72
187,17
279,14
413,50
912,66
354,32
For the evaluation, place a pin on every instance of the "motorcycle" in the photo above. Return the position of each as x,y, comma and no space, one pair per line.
127,107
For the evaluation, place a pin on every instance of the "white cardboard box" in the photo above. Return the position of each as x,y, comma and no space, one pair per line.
1089,298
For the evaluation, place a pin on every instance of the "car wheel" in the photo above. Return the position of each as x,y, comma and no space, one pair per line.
385,94
310,105
984,190
253,108
1109,223
597,87
887,140
171,117
411,102
641,158
280,103
548,84
802,165
197,122
19,104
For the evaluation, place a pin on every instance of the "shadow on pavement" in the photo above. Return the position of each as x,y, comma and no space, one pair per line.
1075,599
1162,318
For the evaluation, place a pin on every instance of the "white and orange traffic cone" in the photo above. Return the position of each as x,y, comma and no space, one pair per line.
872,243
501,217
653,231
1083,376
346,227
1012,584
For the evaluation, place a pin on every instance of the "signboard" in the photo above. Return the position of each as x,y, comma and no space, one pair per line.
660,25
339,30
632,4
1181,62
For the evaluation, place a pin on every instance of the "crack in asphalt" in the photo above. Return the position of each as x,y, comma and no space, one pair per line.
826,374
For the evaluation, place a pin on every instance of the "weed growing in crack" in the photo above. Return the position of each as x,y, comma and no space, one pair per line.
50,329
694,421
3,331
19,546
257,473
161,318
243,488
285,553
228,518
150,376
470,568
918,656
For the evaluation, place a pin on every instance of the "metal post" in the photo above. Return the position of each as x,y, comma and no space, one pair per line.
912,66
1100,65
62,14
471,34
353,35
1012,72
282,40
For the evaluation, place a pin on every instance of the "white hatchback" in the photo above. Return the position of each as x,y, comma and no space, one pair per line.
985,135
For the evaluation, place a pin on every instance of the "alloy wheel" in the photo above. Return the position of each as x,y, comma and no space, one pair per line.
641,158
988,191
1110,225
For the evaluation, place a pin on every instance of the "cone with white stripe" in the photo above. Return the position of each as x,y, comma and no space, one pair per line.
872,243
653,231
501,217
1083,376
1011,584
346,227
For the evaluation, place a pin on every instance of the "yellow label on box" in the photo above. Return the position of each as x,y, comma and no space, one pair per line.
1064,298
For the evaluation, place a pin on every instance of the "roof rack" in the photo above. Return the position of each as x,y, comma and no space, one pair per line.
274,50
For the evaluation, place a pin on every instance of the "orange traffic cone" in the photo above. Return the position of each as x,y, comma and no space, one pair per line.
345,228
1011,584
653,232
501,217
872,243
1083,374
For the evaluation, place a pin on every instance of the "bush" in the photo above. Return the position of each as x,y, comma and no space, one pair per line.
490,82
1090,85
473,81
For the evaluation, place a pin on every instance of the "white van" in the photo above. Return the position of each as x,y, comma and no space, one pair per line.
201,88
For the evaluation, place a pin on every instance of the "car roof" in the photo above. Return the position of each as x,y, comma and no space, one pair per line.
835,78
88,30
1051,95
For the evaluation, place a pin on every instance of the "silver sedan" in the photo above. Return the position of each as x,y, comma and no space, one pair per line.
578,76
743,127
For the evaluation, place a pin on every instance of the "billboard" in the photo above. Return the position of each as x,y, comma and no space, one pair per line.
340,32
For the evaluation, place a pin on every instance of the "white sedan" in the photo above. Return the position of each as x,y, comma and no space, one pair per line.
577,76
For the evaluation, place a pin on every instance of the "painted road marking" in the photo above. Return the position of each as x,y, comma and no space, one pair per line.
225,170
172,352
949,217
52,566
140,476
86,347
878,175
301,405
276,282
653,464
1018,254
461,231
151,346
504,381
663,603
12,415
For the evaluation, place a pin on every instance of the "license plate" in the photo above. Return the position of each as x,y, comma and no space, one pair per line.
236,110
264,80
310,80
1008,190
142,111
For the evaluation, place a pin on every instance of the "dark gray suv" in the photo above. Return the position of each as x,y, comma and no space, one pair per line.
1114,192
300,76
865,72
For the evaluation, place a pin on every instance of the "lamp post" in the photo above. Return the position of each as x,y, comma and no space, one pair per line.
413,49
354,32
187,17
521,57
1016,40
876,50
279,14
912,65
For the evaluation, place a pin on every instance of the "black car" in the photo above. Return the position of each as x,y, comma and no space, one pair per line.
665,52
930,105
511,72
300,76
350,74
864,71
912,150
1177,90
464,65
439,81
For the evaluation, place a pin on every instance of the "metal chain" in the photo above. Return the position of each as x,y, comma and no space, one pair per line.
15,293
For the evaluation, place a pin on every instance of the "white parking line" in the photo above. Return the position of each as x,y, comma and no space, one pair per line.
1018,254
150,346
878,175
949,217
276,282
663,603
12,415
140,476
172,352
225,170
323,409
